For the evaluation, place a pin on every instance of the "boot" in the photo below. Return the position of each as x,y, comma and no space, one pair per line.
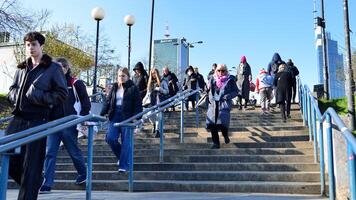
158,135
154,128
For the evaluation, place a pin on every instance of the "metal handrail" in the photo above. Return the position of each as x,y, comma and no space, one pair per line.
159,108
311,114
41,132
5,119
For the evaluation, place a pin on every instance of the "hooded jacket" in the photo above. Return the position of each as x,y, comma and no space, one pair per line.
274,64
140,80
35,91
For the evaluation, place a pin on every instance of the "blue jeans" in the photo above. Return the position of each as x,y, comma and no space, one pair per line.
69,138
112,138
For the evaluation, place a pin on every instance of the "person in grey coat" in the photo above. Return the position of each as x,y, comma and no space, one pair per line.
244,76
221,90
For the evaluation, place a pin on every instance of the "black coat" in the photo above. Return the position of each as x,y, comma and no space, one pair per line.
131,102
67,108
34,92
172,80
141,83
283,81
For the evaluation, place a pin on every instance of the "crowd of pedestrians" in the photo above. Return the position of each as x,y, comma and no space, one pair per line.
44,89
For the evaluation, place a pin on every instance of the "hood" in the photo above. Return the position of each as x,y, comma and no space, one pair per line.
276,57
139,67
189,68
46,61
290,62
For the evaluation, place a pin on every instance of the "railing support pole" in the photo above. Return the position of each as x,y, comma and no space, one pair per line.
182,121
315,135
4,175
304,107
161,140
330,158
89,162
309,117
322,160
196,109
352,172
131,158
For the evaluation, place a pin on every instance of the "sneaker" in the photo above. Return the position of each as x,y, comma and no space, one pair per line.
289,116
80,179
118,163
122,170
215,146
45,189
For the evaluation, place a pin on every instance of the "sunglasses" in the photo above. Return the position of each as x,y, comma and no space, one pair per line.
122,75
221,70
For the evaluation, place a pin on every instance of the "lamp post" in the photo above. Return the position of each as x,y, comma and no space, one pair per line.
190,45
97,14
129,21
151,34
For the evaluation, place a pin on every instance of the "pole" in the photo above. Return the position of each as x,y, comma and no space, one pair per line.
129,49
349,72
96,58
151,35
325,56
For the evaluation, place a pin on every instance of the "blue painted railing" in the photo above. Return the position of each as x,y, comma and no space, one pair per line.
311,117
157,109
21,138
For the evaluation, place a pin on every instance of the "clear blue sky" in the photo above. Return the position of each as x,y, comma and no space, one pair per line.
229,28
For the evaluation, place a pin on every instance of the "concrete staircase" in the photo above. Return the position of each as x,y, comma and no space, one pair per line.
265,155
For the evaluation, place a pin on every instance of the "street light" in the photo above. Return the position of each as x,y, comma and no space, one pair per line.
129,21
97,14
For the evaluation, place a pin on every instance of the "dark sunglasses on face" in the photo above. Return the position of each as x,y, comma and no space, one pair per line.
221,70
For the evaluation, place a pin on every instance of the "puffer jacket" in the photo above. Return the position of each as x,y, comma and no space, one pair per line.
34,92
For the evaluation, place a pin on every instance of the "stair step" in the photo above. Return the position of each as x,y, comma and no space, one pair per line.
201,166
200,175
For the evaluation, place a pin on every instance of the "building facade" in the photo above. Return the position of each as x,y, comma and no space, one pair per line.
335,64
8,65
172,53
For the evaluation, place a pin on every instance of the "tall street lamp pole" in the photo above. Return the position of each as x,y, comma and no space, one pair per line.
129,21
325,56
97,14
151,35
349,72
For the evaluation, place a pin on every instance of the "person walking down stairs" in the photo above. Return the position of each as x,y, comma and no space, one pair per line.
158,91
123,102
244,77
221,90
283,82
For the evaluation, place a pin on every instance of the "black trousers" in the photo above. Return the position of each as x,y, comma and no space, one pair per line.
294,90
215,133
240,101
26,167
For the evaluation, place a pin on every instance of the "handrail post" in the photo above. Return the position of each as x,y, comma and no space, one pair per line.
314,134
322,160
182,121
196,109
4,175
131,157
352,173
89,162
309,117
304,107
161,138
330,158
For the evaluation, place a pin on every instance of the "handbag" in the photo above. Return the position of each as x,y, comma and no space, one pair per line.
203,101
252,86
146,101
82,129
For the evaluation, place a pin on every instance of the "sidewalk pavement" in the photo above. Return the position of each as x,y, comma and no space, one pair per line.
106,195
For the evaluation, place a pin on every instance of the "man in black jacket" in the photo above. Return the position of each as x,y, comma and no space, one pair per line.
172,81
294,72
38,85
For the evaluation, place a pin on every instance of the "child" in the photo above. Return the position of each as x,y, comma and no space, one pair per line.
264,84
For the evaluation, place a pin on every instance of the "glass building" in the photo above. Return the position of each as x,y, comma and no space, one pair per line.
335,64
172,53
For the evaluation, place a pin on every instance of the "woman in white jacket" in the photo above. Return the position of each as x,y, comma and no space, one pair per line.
157,87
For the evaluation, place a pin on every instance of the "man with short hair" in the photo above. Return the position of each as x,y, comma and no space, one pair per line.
38,85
